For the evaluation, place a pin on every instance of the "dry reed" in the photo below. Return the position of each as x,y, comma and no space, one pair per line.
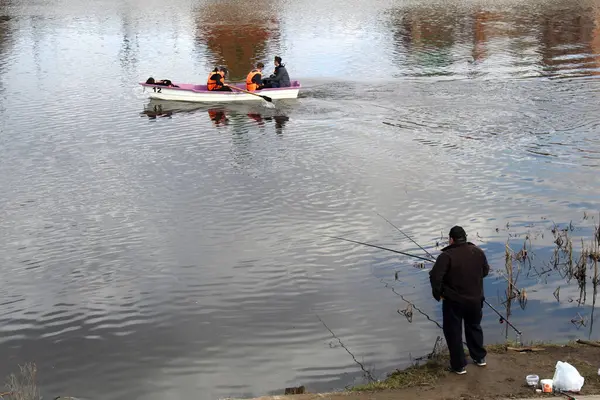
24,385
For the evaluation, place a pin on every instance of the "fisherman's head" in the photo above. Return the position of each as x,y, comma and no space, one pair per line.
277,61
457,235
260,66
223,71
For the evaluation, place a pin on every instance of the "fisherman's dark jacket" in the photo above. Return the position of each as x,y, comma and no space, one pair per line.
458,273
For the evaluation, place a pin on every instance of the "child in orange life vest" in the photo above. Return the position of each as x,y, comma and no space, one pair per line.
216,80
254,78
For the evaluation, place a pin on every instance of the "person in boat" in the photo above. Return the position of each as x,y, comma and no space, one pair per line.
280,77
216,80
254,78
457,279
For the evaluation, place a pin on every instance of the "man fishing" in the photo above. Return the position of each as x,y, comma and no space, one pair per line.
457,279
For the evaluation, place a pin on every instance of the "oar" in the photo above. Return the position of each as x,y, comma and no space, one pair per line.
267,98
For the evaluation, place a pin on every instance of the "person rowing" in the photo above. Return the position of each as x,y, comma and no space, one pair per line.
254,78
216,80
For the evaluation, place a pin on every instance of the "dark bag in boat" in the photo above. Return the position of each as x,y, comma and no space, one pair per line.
163,82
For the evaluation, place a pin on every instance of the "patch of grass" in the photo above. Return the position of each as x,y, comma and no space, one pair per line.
497,348
417,375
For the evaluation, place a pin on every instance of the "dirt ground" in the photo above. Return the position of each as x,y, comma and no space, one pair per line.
504,377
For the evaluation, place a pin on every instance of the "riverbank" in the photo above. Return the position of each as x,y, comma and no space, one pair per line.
502,378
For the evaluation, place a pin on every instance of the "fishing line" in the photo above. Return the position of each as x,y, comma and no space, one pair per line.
502,318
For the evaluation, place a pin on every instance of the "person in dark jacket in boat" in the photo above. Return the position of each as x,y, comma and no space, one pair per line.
216,80
457,279
280,77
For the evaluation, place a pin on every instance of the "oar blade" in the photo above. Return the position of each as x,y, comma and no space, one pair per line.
268,105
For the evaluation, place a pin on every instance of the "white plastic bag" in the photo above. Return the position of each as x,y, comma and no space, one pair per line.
566,378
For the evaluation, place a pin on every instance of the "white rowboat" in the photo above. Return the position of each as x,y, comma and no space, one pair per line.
199,93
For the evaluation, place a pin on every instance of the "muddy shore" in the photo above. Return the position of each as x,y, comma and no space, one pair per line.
502,378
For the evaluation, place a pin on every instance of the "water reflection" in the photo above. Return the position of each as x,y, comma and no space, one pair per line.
158,108
425,38
278,120
5,42
534,39
236,34
567,41
128,53
218,116
182,236
221,115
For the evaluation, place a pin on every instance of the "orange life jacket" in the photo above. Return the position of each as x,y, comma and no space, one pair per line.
212,84
251,86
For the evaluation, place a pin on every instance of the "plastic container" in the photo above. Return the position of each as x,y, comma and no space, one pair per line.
546,385
532,380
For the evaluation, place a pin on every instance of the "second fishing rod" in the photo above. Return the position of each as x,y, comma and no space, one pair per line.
430,259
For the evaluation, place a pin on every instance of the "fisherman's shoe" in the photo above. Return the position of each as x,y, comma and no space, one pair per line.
461,371
480,363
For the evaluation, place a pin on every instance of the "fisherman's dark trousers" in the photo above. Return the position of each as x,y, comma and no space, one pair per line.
454,315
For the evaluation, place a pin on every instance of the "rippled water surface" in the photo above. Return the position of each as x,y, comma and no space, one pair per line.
167,250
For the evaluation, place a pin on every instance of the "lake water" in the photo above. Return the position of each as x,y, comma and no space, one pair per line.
163,250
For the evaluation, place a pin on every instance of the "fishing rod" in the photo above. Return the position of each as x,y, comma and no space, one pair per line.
428,253
502,319
380,247
408,237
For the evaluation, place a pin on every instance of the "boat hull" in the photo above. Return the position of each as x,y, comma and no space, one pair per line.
199,94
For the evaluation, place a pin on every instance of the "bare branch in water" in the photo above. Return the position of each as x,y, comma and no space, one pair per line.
510,289
439,348
579,321
523,299
362,367
407,312
411,304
